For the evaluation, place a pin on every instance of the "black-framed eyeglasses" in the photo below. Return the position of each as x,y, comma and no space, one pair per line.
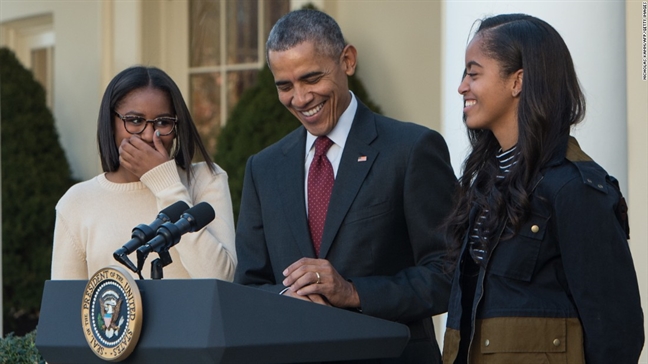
137,124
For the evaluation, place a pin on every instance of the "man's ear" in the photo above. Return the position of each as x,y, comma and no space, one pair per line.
518,76
349,59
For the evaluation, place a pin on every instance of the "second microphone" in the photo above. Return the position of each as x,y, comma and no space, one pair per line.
169,234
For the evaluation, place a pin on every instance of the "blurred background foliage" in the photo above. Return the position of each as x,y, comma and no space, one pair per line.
35,174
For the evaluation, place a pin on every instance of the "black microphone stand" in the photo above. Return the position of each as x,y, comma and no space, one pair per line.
159,263
171,234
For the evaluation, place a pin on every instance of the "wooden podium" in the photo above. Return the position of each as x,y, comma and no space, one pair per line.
212,321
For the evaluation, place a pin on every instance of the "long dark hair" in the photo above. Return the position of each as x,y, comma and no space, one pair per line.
133,78
551,102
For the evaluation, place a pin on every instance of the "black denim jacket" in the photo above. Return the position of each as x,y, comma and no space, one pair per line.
570,259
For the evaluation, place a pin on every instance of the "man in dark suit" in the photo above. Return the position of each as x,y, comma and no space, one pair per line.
344,210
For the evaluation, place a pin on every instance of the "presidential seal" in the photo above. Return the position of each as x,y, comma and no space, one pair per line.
111,313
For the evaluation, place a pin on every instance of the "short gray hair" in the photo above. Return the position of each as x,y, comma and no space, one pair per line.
300,26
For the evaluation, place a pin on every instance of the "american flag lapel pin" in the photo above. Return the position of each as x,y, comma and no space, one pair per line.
362,158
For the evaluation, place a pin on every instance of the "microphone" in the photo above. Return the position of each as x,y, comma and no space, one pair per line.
143,233
169,234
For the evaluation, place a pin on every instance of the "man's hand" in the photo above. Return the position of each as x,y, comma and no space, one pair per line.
139,157
302,280
311,297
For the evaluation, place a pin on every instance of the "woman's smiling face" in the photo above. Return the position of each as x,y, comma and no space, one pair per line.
149,103
490,98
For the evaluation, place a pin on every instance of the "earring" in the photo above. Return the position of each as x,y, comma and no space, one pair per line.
175,148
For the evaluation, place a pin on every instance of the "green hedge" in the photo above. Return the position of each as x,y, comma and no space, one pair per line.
35,174
20,349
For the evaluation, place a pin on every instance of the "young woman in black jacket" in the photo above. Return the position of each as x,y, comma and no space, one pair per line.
543,271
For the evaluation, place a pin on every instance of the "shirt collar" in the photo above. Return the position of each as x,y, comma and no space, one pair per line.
341,130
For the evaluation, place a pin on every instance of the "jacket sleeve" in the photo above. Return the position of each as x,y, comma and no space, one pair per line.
255,269
421,290
599,269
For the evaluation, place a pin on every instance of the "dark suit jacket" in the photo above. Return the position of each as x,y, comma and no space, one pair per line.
380,227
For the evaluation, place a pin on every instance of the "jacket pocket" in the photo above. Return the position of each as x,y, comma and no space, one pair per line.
528,340
516,257
367,212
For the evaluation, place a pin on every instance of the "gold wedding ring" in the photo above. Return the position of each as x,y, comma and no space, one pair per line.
318,278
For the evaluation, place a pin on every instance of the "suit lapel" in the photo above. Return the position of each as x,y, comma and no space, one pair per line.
357,158
290,188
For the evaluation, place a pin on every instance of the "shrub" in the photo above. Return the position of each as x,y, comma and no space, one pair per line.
20,350
257,121
35,174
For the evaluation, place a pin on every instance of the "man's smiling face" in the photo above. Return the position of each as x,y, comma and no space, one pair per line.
312,85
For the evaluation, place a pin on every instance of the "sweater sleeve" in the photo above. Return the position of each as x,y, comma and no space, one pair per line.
68,254
210,252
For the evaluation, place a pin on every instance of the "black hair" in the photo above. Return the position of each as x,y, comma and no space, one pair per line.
551,101
138,77
304,25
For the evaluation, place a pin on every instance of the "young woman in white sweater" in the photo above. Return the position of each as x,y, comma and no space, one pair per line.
147,141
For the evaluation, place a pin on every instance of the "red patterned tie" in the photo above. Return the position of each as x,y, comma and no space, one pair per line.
320,185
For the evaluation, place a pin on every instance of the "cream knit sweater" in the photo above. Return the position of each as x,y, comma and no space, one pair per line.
94,218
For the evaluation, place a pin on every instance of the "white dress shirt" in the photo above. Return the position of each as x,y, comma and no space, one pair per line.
338,135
